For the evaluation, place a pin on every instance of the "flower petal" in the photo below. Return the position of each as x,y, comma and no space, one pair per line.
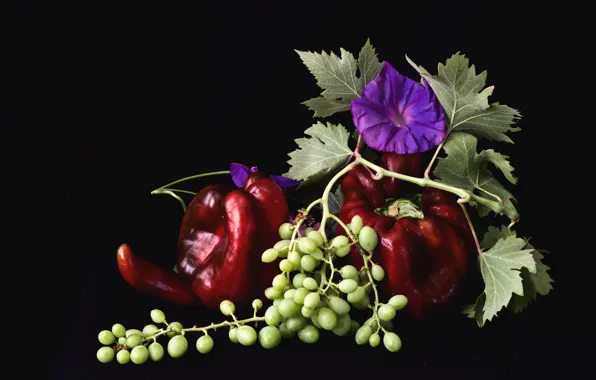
239,173
284,182
397,114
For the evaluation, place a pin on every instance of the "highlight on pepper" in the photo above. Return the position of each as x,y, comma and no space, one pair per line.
394,231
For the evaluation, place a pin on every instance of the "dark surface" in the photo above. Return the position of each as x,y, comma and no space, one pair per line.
120,99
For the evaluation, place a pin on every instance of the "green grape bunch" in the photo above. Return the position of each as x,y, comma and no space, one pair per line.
309,297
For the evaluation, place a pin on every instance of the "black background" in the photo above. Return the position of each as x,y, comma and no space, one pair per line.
113,101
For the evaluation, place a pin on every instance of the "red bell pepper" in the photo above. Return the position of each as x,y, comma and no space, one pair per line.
422,247
223,234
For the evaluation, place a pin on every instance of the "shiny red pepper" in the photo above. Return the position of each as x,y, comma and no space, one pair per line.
222,236
423,247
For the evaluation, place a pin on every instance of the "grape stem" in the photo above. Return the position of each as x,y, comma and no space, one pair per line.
212,326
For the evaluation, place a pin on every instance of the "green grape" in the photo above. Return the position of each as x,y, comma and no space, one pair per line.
363,304
289,294
308,263
288,308
133,341
356,224
354,326
177,346
176,328
273,316
269,337
340,241
158,316
347,286
308,230
316,237
123,356
387,325
294,258
348,271
374,340
105,354
392,342
363,334
339,305
233,335
286,230
139,354
122,341
378,273
309,334
270,255
307,312
368,238
317,255
106,337
386,312
300,294
315,320
357,295
285,266
398,302
150,330
118,330
372,322
205,344
272,293
307,245
327,318
257,304
343,325
282,248
295,323
298,280
285,332
156,351
277,301
312,300
227,307
279,282
310,283
343,251
363,276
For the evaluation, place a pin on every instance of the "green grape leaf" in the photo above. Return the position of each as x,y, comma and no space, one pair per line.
336,200
501,162
465,168
474,311
319,155
464,98
493,234
323,107
534,283
342,78
501,268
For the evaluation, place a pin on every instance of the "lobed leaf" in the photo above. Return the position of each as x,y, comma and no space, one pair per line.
342,78
321,154
464,98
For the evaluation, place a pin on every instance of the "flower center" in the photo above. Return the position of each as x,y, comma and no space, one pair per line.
398,119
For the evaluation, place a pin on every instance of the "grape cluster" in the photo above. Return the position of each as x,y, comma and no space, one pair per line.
308,295
311,294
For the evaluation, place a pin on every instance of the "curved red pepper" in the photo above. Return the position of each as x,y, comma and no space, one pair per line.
222,236
424,259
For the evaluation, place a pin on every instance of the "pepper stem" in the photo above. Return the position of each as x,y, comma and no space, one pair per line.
401,208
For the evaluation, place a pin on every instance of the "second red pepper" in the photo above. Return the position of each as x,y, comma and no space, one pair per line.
424,249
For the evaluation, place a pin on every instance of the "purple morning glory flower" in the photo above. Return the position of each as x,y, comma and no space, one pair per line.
241,172
397,114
